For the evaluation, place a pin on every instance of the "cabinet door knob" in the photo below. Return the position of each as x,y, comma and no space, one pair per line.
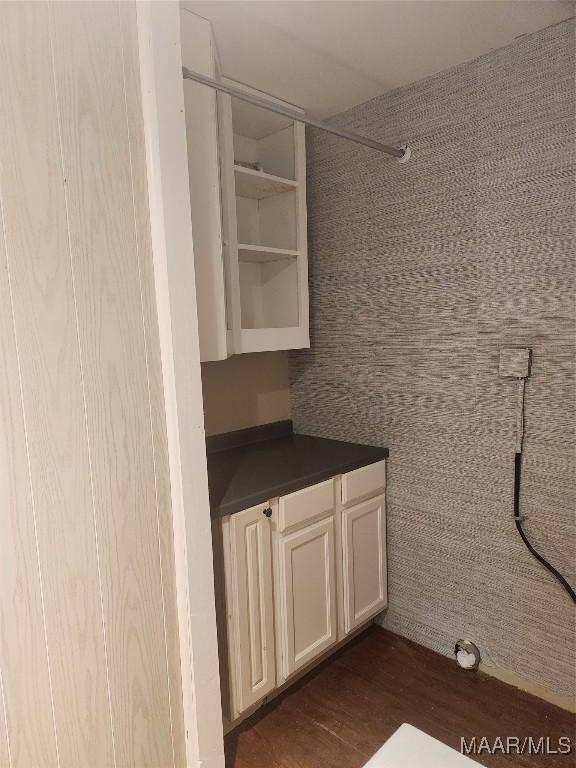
267,512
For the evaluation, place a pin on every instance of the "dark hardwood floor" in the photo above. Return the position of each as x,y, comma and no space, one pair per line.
342,712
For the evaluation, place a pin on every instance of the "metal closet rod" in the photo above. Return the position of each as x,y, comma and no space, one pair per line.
402,152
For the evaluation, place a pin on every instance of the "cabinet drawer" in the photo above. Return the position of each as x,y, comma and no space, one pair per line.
363,483
301,507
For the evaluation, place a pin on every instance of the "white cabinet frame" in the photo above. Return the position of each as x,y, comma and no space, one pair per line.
250,224
242,339
229,224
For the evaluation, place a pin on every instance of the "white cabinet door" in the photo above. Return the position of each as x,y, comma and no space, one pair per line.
199,54
251,608
306,595
364,561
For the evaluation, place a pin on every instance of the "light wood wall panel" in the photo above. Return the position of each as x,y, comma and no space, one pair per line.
44,317
4,746
27,721
84,434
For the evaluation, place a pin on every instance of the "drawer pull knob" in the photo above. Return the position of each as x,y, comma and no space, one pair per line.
267,512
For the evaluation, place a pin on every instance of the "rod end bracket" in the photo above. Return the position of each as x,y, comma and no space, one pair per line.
406,153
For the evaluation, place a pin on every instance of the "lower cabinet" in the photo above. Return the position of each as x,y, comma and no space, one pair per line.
289,569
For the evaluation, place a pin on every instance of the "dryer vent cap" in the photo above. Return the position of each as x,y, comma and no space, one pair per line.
467,654
407,153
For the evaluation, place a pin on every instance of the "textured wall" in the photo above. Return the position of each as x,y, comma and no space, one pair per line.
419,274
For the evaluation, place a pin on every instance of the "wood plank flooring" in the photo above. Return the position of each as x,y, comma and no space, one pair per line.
342,712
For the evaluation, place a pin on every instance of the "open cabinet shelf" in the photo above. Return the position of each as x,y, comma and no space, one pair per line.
259,253
258,185
269,293
270,222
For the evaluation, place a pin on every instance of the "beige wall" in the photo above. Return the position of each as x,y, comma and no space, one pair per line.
245,391
89,659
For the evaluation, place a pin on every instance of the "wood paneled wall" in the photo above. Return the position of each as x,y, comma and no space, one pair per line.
89,655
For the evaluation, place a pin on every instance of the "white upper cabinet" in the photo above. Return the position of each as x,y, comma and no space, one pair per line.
248,196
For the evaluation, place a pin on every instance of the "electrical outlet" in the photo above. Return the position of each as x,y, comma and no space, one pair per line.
515,362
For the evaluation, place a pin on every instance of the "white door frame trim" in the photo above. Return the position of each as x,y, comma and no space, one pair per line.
171,228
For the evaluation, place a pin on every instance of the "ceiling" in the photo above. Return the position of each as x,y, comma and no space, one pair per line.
328,56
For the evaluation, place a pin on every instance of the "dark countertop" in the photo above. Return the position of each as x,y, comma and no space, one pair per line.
250,466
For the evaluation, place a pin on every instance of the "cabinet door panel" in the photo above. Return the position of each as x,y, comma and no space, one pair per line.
252,650
205,201
364,555
307,595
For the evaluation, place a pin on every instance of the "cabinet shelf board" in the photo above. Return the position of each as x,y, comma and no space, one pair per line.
272,339
261,253
259,185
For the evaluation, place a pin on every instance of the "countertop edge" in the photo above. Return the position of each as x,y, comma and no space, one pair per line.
252,500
